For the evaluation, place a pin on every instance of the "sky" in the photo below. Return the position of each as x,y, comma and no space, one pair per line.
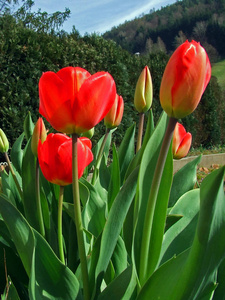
99,16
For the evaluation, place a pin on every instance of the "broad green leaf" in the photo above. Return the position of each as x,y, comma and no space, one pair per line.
119,257
117,288
194,270
184,180
147,167
114,225
160,212
49,277
20,231
114,185
29,187
28,126
17,153
179,237
219,292
126,150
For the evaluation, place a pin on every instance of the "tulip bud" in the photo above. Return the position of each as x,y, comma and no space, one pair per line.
143,92
184,80
39,133
181,142
4,143
89,134
114,116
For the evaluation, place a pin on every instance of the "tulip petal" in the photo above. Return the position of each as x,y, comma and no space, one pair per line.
184,147
94,100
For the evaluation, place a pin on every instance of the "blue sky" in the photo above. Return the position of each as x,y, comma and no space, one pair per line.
98,16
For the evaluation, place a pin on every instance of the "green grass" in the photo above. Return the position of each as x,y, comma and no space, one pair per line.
218,70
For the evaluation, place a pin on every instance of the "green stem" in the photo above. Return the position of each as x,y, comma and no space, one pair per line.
98,161
147,229
60,236
13,175
78,219
140,131
38,201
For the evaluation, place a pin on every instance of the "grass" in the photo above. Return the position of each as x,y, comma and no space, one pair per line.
218,70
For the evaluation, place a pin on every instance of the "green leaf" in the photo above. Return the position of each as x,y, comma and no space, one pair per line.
179,237
114,185
117,288
194,270
17,153
147,168
114,225
49,277
126,150
184,180
119,257
29,187
20,231
219,292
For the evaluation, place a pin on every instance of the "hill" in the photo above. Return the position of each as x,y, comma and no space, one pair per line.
165,29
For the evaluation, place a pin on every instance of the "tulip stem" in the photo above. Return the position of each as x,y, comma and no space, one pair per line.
78,219
145,270
140,131
38,201
98,160
13,175
60,236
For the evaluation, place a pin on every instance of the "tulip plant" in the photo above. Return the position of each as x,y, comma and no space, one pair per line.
78,225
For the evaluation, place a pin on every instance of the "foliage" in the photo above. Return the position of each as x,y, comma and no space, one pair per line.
191,248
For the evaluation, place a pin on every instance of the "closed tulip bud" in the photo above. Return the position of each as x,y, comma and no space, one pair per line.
181,142
4,143
143,92
114,116
39,133
184,80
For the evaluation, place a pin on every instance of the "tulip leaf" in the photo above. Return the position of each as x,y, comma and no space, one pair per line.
20,232
194,269
119,257
147,168
114,185
126,150
29,188
184,180
179,237
114,225
17,154
117,288
49,277
219,292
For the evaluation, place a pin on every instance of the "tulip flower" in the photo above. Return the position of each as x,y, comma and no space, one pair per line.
184,80
55,157
39,133
4,143
181,142
74,101
143,92
114,116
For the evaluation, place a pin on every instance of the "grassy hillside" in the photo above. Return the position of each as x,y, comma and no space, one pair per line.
218,70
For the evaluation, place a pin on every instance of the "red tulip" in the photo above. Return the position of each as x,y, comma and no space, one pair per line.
181,142
184,80
73,101
114,116
55,157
